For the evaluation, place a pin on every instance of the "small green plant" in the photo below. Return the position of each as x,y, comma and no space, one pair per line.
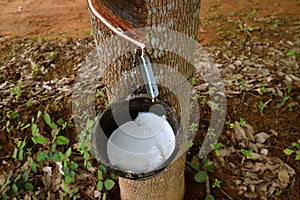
202,168
217,183
278,192
232,14
86,155
291,105
35,69
196,96
246,29
216,147
28,103
230,124
35,136
262,90
103,183
204,100
195,80
101,96
247,153
8,127
211,133
193,127
14,183
91,32
200,177
213,105
285,97
292,53
241,122
276,23
190,145
293,149
242,84
19,151
17,90
52,54
216,15
14,115
261,106
209,197
251,14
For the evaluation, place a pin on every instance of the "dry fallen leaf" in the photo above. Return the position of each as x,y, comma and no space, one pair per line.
240,136
253,146
2,179
97,194
261,137
60,168
256,156
271,190
283,175
270,166
290,170
249,131
226,152
27,197
252,188
264,152
47,169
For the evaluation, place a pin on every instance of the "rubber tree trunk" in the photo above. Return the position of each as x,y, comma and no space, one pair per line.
178,15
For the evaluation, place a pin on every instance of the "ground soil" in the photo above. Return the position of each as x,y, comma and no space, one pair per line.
50,19
54,21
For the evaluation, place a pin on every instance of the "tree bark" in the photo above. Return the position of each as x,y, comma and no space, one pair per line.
177,15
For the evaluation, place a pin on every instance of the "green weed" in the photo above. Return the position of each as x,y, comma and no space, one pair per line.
285,98
17,90
193,127
203,167
241,122
276,23
261,106
247,153
217,183
293,149
262,90
242,84
53,54
35,69
251,14
216,147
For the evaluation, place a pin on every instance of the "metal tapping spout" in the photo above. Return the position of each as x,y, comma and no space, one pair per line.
147,73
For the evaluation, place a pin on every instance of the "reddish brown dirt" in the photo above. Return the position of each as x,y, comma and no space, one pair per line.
218,10
70,18
50,18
